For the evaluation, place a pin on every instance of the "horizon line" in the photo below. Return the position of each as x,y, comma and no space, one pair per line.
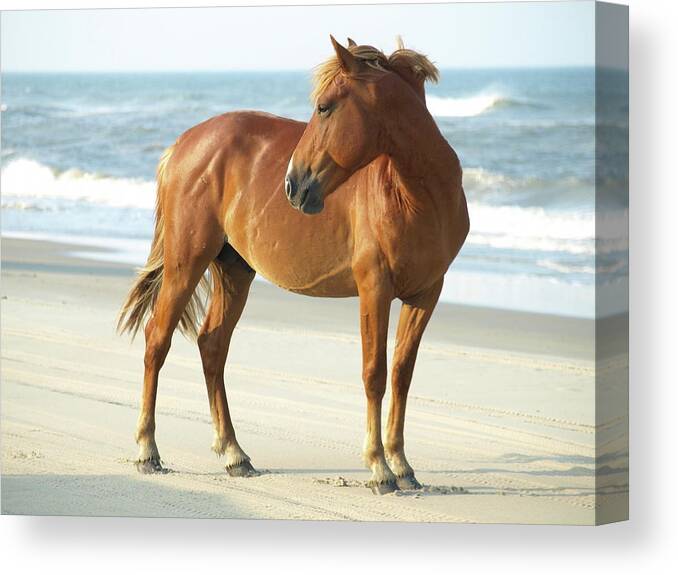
271,70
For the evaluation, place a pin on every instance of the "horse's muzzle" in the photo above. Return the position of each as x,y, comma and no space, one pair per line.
304,193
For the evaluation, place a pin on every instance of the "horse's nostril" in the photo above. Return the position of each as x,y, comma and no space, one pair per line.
304,195
288,188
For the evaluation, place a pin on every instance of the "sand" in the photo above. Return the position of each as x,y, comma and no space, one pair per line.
500,424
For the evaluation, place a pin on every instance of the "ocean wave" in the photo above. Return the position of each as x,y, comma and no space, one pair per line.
26,184
79,111
542,124
566,268
446,107
26,206
617,266
485,186
537,229
82,111
480,179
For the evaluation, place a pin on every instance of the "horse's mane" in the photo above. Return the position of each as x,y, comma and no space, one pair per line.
403,60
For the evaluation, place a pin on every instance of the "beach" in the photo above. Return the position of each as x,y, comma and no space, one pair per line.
500,424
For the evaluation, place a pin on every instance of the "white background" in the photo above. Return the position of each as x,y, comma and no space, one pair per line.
647,543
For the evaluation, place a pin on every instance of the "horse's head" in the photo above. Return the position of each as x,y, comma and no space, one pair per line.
357,94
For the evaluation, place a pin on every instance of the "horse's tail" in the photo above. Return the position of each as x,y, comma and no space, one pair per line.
144,293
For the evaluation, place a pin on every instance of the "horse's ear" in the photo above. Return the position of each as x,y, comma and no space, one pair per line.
348,62
351,42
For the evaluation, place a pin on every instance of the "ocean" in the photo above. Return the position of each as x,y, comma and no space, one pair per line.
79,152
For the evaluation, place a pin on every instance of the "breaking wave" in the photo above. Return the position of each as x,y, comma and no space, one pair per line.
27,184
466,107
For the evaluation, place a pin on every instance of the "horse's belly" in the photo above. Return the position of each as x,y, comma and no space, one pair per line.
299,277
333,283
305,254
304,269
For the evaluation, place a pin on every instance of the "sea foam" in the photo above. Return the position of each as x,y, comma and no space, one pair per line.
525,228
464,107
27,183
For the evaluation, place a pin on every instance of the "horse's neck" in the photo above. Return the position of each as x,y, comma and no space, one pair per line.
424,170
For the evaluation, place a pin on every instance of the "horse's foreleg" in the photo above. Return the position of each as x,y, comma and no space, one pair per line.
414,317
174,294
226,306
374,311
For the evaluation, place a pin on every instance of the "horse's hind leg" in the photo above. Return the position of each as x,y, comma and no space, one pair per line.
184,265
414,317
232,279
172,299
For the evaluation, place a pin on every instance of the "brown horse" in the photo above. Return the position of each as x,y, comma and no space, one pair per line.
391,216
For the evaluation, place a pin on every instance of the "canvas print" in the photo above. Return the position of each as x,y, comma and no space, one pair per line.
376,271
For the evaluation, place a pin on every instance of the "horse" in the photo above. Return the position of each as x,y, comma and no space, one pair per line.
365,199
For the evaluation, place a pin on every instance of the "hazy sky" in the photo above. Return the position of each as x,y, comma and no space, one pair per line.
453,35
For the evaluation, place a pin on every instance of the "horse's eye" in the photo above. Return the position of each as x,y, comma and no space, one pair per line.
323,109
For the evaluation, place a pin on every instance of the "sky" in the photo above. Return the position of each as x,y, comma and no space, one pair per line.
464,35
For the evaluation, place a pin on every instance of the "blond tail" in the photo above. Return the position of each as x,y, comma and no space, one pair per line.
144,293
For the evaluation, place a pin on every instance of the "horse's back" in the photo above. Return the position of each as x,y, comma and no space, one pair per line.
231,136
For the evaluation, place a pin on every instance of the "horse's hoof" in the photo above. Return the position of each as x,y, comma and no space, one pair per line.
150,466
408,482
383,488
242,469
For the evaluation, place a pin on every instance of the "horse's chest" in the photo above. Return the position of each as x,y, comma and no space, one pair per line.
417,256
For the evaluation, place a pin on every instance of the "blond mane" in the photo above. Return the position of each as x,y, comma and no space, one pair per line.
402,59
